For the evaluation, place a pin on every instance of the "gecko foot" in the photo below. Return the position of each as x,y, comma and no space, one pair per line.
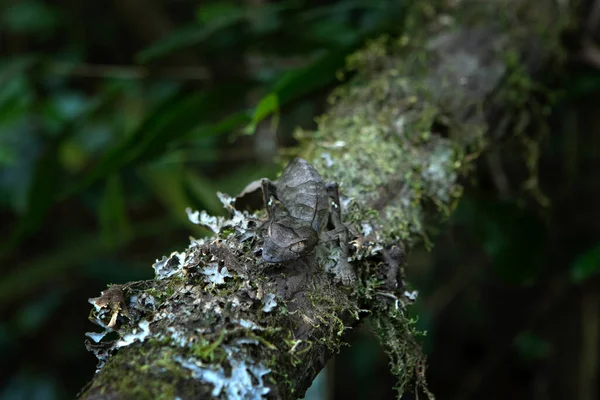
344,273
340,268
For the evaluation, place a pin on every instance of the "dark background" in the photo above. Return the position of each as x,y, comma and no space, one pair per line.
117,115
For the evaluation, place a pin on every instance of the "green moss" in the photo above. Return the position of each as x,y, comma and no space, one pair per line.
380,142
224,233
397,334
528,104
131,376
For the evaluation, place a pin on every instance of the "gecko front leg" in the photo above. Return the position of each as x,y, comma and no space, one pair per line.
342,269
269,191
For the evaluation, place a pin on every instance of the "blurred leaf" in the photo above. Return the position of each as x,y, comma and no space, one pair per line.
14,67
73,253
269,105
112,212
532,347
25,386
331,24
7,155
586,265
7,341
334,34
182,38
221,16
583,84
94,136
226,125
43,190
360,365
365,353
212,17
21,148
19,144
204,190
29,17
167,183
222,10
171,120
68,105
510,235
40,197
316,76
234,182
117,270
515,241
32,315
72,156
295,84
62,108
16,91
340,8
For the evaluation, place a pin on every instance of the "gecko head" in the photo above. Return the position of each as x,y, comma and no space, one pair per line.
283,242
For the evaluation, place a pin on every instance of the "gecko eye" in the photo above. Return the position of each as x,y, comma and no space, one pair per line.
298,247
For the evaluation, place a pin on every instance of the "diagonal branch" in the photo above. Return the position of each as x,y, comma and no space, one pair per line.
217,322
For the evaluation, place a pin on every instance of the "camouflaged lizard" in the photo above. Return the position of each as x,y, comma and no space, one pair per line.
300,207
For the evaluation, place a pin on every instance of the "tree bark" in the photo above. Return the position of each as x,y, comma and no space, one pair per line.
399,139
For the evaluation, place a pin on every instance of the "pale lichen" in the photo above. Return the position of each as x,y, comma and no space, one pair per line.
397,139
216,274
201,309
269,302
243,381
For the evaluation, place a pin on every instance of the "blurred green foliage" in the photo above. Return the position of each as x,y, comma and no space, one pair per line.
511,236
586,265
116,116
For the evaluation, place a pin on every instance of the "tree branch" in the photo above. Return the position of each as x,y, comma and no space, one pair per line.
220,323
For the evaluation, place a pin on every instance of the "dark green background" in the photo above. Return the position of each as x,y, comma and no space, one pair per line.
117,115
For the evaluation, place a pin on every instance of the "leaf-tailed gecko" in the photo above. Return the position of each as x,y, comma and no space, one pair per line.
300,205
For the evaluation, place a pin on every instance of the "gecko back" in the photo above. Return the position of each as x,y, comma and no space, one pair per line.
301,190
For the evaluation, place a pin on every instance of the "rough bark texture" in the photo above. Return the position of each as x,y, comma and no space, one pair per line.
218,322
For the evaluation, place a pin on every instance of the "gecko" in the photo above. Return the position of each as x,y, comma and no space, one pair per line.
300,206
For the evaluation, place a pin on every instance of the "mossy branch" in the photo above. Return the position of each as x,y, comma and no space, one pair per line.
399,138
